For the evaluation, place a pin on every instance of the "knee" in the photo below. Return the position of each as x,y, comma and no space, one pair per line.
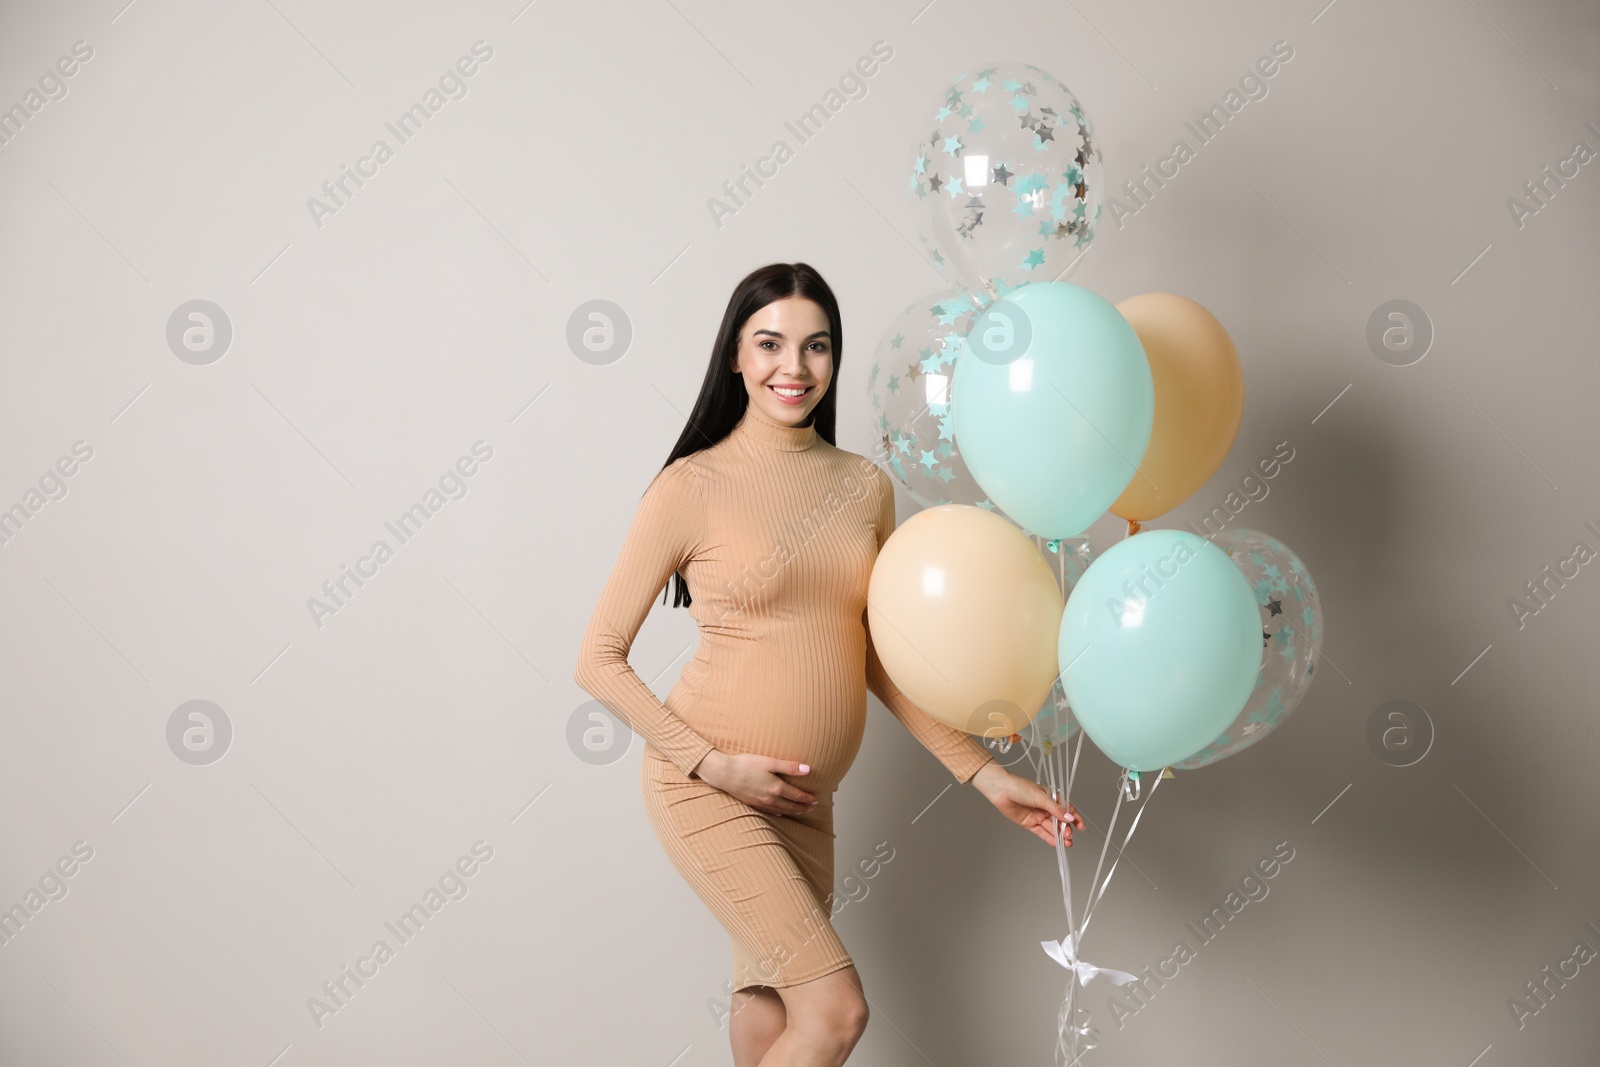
836,1025
853,1018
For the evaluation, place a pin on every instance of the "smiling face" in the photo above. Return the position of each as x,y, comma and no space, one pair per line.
786,358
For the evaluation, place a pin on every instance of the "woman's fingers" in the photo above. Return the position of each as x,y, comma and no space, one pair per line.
781,804
796,794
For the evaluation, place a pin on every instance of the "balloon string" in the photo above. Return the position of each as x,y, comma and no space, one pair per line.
1074,1035
1088,912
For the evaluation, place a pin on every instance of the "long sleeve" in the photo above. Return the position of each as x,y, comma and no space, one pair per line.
664,534
958,750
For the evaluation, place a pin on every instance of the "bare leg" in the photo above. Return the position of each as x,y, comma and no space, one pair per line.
826,1017
758,1017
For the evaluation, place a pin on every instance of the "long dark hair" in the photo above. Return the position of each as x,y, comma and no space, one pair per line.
723,399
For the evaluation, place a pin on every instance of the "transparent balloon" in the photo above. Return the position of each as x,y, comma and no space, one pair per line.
1007,179
1291,633
1054,725
909,386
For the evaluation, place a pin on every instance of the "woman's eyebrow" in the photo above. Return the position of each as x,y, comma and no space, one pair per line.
775,333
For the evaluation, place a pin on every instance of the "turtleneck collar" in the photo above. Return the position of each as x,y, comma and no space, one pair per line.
767,432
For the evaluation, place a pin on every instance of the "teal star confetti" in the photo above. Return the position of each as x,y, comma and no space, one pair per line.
1034,259
1058,201
953,187
981,85
897,340
946,474
929,460
952,146
947,429
894,383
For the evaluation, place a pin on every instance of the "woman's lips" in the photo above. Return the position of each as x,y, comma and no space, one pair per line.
792,401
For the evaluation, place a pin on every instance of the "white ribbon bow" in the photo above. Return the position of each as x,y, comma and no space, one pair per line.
1064,953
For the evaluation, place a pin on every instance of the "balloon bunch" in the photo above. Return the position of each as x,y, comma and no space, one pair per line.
1019,408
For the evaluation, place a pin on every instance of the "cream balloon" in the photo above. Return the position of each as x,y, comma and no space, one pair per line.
964,614
1199,391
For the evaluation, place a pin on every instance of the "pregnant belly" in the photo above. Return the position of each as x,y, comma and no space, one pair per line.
824,734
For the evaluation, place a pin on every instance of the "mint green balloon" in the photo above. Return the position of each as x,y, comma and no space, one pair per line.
1052,403
1160,647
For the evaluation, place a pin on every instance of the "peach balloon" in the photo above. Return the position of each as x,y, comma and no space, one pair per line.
1199,393
965,614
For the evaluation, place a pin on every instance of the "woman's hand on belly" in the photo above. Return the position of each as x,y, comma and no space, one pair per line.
757,780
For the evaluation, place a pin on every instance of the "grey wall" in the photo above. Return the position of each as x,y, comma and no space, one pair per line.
372,750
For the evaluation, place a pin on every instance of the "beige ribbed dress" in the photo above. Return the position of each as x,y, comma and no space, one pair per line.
775,532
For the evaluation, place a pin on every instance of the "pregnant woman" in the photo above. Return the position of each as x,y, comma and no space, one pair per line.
768,533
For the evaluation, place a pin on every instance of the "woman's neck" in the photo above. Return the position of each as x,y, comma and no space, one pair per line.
764,430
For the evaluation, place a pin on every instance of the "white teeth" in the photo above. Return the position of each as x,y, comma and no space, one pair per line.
781,391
